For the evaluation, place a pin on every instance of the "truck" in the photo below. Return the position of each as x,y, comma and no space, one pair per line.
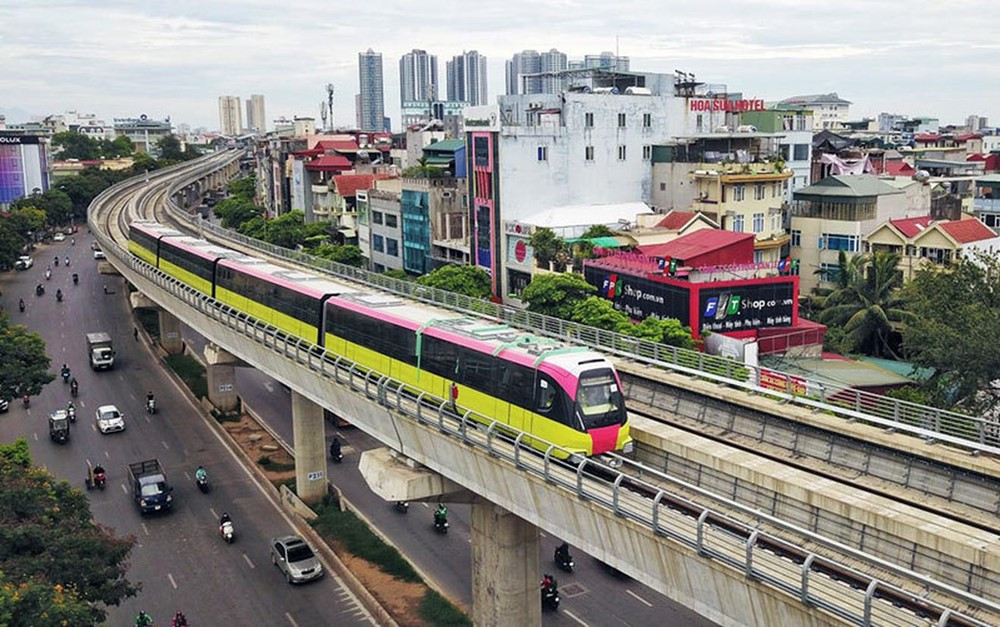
150,489
100,350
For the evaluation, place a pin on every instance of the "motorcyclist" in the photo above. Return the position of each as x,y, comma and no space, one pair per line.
441,514
143,619
548,583
67,262
179,620
150,399
224,519
72,241
335,447
48,273
55,261
59,295
64,371
201,474
20,305
73,385
562,552
98,470
76,278
70,408
39,289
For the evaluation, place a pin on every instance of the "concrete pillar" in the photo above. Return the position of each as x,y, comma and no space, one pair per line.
309,440
505,572
222,386
170,333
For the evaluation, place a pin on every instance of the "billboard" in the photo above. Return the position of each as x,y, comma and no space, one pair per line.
639,297
741,307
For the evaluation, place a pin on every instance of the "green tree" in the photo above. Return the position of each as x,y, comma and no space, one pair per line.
24,366
143,163
597,230
73,145
56,204
287,230
955,331
556,294
169,147
471,281
11,244
51,548
26,220
867,304
347,254
547,246
120,146
595,311
245,187
396,273
667,331
236,211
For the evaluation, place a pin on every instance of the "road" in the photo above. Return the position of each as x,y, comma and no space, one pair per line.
591,594
178,558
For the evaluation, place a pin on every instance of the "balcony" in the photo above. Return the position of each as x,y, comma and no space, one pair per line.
986,205
742,172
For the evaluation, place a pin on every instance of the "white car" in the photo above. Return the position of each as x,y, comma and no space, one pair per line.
59,237
24,262
99,254
109,419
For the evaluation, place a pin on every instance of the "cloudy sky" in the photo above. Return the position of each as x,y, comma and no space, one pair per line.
121,58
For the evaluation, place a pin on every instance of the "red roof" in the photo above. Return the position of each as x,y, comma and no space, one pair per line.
348,184
330,163
911,227
348,145
968,136
675,220
695,244
976,156
312,152
968,230
927,137
898,168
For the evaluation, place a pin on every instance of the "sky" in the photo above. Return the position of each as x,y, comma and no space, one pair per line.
123,58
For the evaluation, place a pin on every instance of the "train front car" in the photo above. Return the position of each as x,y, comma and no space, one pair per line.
588,399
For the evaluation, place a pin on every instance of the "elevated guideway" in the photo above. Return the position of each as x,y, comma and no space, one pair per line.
724,566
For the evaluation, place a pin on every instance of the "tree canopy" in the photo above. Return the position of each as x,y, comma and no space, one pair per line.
547,245
556,294
348,254
24,366
471,281
56,204
57,566
599,312
73,145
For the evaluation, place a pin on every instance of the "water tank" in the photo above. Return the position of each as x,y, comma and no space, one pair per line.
922,175
638,91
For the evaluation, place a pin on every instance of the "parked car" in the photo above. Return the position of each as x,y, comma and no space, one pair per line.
59,237
295,558
23,262
109,419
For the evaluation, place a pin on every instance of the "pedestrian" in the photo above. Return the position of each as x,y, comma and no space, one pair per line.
135,333
105,288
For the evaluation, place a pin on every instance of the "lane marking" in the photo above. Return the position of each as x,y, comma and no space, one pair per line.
124,489
247,559
291,620
147,419
106,454
36,436
146,529
573,616
172,582
212,510
165,445
640,599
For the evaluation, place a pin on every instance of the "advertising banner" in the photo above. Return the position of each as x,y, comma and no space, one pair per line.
749,306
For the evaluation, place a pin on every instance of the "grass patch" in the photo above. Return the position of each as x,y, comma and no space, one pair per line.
437,610
191,372
356,537
269,464
149,320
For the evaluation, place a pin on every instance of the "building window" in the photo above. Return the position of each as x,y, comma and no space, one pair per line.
621,153
647,120
621,120
376,217
937,255
829,272
758,223
758,256
647,153
847,243
796,239
776,226
698,122
737,224
392,247
588,153
391,220
800,152
663,187
758,191
378,268
378,243
543,153
739,192
588,120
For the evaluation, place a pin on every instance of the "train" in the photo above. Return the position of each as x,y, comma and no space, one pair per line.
570,396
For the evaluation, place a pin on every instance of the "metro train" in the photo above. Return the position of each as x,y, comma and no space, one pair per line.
566,395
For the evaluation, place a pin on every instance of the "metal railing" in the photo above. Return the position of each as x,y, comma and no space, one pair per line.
714,533
928,423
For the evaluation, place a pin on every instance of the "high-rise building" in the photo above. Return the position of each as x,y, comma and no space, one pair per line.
230,119
371,100
606,61
466,77
533,62
418,76
255,114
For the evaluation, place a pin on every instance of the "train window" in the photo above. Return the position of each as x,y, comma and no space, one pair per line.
386,338
599,400
477,371
438,357
549,399
515,384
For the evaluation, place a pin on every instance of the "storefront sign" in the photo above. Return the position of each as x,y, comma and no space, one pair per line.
18,139
750,306
724,104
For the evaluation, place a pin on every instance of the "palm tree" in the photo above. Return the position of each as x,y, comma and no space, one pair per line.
866,303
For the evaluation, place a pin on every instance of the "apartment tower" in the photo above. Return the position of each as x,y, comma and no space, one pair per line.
371,99
230,118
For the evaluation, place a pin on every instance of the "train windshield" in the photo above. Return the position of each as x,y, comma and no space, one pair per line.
598,399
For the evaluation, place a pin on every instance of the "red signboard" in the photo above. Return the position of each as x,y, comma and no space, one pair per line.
724,104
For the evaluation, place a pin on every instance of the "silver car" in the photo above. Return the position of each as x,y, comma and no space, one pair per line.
295,558
109,419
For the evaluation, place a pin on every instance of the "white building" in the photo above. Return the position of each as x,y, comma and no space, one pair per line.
533,62
830,111
418,76
230,118
466,78
83,123
256,119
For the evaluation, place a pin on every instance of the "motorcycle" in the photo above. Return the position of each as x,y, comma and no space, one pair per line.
441,522
550,594
335,453
563,559
65,375
72,241
100,480
48,274
150,405
76,279
26,400
227,532
74,388
59,295
20,305
71,412
39,290
55,261
67,262
202,483
179,620
402,506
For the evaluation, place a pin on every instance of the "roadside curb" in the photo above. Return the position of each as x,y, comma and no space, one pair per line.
378,613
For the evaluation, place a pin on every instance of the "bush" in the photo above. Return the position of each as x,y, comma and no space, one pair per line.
437,610
356,537
191,372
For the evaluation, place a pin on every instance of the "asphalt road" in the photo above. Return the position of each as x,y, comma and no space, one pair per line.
591,595
179,558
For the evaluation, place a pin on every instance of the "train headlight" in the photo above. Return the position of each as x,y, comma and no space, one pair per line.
628,448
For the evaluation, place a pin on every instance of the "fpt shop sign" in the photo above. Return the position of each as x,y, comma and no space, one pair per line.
747,307
640,298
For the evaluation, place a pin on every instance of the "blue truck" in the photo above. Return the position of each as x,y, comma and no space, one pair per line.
150,489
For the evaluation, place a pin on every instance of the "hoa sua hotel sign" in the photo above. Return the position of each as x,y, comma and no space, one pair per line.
724,104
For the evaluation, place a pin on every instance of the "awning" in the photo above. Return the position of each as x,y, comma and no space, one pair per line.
347,232
602,242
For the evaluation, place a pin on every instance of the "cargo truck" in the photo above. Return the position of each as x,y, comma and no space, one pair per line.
100,351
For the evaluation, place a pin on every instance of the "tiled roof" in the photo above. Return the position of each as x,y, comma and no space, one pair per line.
337,144
445,145
847,186
815,99
898,168
911,227
926,137
968,230
348,184
329,162
675,220
695,244
312,152
968,136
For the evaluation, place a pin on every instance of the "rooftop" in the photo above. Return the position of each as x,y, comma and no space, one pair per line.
813,99
446,145
847,186
329,163
695,244
676,220
911,227
967,230
586,215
